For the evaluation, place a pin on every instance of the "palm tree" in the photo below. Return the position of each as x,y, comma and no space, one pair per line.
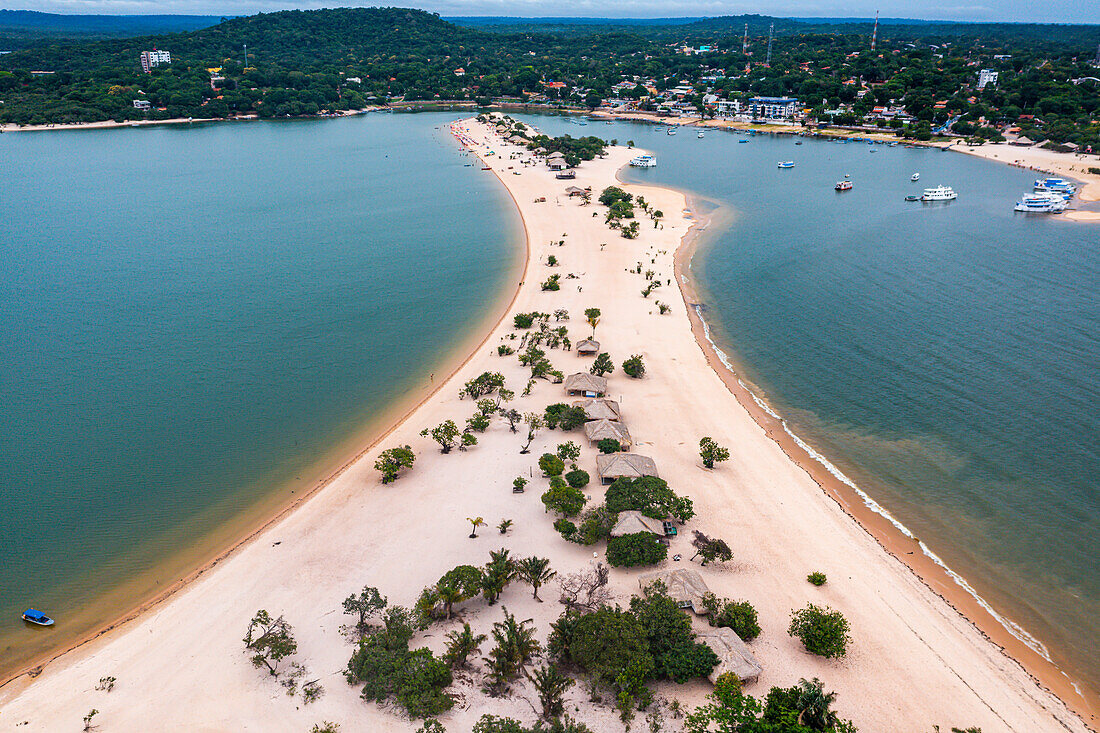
535,571
449,595
476,522
515,642
813,705
551,685
498,573
461,644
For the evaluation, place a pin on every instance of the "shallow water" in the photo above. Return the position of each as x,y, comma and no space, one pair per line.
946,357
196,319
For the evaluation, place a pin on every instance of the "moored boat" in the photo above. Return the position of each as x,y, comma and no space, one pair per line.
1041,203
912,197
939,193
37,618
643,161
843,185
915,177
786,164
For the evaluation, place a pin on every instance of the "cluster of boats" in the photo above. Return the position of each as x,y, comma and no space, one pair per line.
1050,196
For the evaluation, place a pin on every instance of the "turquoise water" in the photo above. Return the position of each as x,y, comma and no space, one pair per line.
945,357
194,316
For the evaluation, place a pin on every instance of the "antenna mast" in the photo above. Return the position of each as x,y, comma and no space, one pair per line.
745,43
874,33
245,66
771,35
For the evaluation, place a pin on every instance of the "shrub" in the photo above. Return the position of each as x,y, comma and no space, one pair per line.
711,452
564,416
596,525
1094,171
640,548
634,367
552,283
551,465
740,616
817,578
649,495
602,365
392,460
823,631
565,500
523,320
577,478
569,451
565,528
483,384
505,350
608,445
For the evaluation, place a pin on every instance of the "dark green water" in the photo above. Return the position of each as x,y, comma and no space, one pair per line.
193,317
944,358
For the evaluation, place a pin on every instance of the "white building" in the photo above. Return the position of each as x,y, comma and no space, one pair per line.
987,76
142,104
151,59
773,108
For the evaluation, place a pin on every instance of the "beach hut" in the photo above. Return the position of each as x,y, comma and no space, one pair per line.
517,140
598,430
733,655
588,347
555,161
633,522
624,465
575,191
683,585
540,151
585,385
1022,141
599,409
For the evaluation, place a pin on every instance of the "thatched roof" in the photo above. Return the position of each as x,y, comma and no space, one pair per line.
1022,140
553,156
585,382
575,191
733,655
517,140
599,409
588,346
625,465
632,522
684,585
597,430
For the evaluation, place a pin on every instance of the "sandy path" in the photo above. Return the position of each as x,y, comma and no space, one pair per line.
915,662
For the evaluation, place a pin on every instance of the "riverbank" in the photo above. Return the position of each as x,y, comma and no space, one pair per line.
915,662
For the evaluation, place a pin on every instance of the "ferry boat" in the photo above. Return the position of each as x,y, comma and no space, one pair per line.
915,177
37,618
786,164
1041,203
939,193
643,161
1054,184
843,186
671,131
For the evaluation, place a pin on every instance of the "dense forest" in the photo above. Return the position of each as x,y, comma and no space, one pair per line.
310,62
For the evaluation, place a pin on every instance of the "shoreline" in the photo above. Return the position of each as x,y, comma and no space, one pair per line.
248,693
890,534
268,510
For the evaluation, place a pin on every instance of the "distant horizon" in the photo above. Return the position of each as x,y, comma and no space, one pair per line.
1085,12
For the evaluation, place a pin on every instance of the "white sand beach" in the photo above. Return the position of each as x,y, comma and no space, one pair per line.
914,662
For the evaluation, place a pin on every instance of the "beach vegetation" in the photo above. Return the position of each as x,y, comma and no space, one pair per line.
614,194
552,283
487,405
663,308
561,314
817,578
536,572
365,606
515,645
493,724
631,550
586,590
799,709
88,725
467,439
602,365
657,216
481,385
475,522
566,417
535,422
575,149
518,484
649,495
710,549
608,445
479,422
505,525
822,631
676,654
523,320
630,231
577,478
712,453
564,500
392,460
460,645
551,465
106,684
431,725
445,433
513,416
634,367
325,726
497,574
569,451
595,526
740,616
269,641
551,686
551,261
565,528
592,316
505,350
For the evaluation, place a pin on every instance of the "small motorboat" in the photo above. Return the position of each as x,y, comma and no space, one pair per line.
912,198
786,164
31,616
742,141
915,177
797,142
670,131
700,136
843,185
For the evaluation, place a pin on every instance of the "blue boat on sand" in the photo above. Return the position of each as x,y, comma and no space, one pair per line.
37,618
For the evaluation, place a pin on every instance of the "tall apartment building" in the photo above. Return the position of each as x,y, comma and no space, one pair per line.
151,59
987,76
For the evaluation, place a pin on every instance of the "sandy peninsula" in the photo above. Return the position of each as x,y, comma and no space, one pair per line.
915,660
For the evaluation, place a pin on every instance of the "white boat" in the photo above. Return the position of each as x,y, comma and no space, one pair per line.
671,131
700,135
844,185
643,161
1055,184
1041,203
786,164
939,193
915,177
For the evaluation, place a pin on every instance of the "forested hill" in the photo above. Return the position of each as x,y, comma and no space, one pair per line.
25,28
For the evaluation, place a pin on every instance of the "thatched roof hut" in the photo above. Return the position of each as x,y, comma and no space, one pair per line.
684,585
624,465
632,522
588,347
575,191
586,385
733,655
517,140
598,430
599,409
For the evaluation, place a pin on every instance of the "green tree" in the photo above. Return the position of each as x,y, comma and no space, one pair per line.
461,644
270,641
712,453
475,522
639,548
551,686
367,604
535,571
551,465
498,573
577,478
569,451
445,433
592,315
483,384
564,500
602,365
608,445
823,631
634,367
392,460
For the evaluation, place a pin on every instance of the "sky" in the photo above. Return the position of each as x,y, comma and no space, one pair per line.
1045,11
